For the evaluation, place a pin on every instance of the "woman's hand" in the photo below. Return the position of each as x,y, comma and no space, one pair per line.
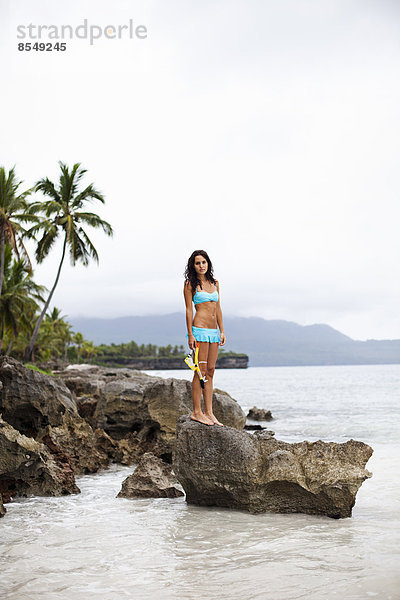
223,339
192,342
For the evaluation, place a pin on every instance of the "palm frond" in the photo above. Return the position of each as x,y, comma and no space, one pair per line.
91,250
94,221
88,194
78,250
45,244
47,188
27,217
69,181
42,225
26,259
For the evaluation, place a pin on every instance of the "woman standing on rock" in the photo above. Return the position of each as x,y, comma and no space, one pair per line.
202,290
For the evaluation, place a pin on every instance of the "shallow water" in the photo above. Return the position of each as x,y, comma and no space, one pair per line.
99,546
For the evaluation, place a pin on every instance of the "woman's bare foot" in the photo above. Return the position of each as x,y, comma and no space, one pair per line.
201,418
214,419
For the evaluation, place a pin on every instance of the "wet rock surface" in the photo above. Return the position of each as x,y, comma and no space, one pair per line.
84,418
153,478
30,468
221,466
259,414
254,427
42,407
139,411
30,401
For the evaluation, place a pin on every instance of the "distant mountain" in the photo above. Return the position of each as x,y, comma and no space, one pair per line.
268,343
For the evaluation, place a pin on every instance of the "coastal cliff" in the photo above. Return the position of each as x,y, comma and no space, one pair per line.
166,363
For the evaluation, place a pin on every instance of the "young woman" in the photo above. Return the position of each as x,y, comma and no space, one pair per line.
202,290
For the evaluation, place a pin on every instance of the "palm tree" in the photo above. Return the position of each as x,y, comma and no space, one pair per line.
89,350
62,327
54,335
63,214
19,298
13,208
78,340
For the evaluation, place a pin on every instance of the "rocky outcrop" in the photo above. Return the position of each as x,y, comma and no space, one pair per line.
30,401
220,466
152,478
139,411
150,408
259,414
127,413
2,507
28,468
83,446
86,408
42,407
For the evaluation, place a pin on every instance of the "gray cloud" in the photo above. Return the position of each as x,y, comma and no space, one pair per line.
265,132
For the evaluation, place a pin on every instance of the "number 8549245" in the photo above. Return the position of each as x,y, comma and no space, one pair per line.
42,46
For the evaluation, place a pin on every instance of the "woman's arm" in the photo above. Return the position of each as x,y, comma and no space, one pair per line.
187,293
219,318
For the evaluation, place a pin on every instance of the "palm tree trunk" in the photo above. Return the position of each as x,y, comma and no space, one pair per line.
2,252
29,349
10,347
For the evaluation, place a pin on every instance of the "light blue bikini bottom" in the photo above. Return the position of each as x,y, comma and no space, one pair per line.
202,334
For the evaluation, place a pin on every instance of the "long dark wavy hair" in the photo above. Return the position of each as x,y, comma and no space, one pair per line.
190,271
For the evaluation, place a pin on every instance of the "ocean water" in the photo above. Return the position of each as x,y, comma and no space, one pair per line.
95,545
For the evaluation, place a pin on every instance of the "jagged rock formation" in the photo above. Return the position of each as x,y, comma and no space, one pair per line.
28,468
42,407
259,414
127,413
30,401
220,466
152,478
139,411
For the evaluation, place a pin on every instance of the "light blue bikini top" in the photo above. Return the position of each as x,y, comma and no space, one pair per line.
200,297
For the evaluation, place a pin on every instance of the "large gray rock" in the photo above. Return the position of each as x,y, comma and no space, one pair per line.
28,468
30,401
152,478
83,446
220,466
146,409
42,407
127,412
87,380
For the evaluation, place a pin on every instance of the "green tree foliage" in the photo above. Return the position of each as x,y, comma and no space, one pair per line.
55,335
78,340
133,350
62,213
89,350
13,211
19,300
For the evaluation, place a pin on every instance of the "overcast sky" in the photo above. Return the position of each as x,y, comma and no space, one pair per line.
265,132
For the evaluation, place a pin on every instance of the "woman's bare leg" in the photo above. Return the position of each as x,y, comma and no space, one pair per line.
209,387
197,414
